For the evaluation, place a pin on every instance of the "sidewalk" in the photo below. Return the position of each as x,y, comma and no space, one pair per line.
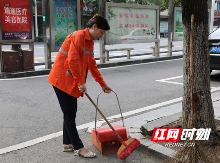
133,125
40,70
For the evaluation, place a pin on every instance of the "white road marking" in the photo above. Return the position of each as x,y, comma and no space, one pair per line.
30,143
213,89
83,126
167,80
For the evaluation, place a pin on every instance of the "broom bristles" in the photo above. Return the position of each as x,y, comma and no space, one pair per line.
125,151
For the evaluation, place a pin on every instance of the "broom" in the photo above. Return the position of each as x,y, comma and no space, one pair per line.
128,146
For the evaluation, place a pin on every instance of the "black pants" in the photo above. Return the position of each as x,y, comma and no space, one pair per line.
68,106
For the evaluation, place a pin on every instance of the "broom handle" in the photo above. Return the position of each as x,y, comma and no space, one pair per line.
101,114
191,63
105,119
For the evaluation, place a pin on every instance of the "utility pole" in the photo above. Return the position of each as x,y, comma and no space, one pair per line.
157,44
46,32
170,27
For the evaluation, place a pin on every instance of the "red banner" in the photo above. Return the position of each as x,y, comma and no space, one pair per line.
15,19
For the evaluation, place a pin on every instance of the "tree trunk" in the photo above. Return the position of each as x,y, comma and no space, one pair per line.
203,107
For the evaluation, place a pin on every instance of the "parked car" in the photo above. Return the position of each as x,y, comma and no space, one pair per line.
214,48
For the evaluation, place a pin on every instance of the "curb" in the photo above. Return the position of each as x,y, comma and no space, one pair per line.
130,62
152,148
104,65
154,152
24,74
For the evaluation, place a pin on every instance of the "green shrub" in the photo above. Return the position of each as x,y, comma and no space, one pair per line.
39,38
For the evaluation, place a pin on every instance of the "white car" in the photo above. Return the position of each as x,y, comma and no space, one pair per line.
139,34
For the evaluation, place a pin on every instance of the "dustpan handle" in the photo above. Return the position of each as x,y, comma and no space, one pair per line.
105,119
118,106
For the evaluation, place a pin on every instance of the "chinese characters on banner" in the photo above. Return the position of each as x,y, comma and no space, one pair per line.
142,25
131,24
65,20
62,10
15,20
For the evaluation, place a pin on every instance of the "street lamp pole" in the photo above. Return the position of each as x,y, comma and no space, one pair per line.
170,27
157,44
46,32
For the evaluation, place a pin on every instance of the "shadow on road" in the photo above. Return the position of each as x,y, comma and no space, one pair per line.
215,76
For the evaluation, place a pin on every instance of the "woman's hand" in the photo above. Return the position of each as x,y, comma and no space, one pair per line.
82,88
106,89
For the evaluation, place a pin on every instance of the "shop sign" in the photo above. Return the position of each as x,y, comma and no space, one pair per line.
15,20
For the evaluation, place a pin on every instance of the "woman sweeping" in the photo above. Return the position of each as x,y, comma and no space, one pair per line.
75,58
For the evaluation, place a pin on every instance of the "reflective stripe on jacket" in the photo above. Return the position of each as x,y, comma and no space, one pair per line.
76,54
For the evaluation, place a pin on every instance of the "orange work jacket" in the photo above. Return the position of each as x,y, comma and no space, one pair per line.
76,55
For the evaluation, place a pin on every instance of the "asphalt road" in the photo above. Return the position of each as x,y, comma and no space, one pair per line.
30,110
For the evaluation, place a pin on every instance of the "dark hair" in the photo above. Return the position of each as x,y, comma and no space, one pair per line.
101,22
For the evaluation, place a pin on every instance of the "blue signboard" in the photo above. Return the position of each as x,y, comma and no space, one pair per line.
65,20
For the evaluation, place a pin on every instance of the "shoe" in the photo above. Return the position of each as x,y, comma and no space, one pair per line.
87,155
68,148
